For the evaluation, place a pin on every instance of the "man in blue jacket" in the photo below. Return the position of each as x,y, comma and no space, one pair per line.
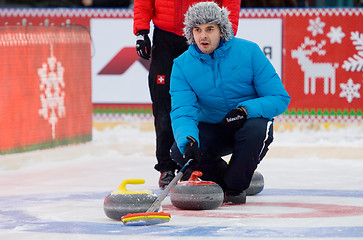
225,94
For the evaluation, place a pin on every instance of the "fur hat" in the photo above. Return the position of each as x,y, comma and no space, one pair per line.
207,12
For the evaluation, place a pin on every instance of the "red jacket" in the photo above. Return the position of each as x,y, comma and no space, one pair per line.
168,15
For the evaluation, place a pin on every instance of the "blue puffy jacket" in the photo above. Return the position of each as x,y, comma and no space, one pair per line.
204,88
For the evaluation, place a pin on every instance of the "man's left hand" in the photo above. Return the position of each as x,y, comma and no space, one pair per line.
235,118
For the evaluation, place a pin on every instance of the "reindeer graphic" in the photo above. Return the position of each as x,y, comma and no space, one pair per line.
312,70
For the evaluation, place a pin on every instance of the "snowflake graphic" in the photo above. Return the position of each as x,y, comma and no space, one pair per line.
52,96
336,35
316,26
349,90
355,63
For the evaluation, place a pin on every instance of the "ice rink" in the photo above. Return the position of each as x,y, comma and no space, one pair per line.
313,190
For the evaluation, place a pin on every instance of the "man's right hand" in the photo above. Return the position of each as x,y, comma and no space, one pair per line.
143,44
192,150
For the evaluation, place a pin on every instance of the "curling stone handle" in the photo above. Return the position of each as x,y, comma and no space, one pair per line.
130,181
122,187
195,175
162,196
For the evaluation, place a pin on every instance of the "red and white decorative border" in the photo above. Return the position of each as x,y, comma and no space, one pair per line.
319,119
65,12
281,12
254,12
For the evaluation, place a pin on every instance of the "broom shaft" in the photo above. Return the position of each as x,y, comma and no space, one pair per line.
168,188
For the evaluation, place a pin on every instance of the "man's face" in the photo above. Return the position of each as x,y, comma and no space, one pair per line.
207,36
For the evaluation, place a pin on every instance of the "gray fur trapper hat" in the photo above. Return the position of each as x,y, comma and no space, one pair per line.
207,12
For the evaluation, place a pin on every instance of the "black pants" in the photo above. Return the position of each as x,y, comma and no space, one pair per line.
248,145
166,47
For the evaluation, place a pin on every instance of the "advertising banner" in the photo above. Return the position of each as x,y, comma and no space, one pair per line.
316,51
323,64
45,87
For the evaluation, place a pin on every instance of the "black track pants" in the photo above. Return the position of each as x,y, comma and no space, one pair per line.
166,47
248,146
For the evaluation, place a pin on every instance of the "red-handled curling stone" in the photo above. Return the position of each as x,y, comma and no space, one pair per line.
196,194
256,185
122,201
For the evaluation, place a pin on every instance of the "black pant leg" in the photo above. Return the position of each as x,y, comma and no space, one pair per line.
250,146
166,47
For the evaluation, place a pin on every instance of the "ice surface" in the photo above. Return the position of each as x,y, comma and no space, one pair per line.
313,190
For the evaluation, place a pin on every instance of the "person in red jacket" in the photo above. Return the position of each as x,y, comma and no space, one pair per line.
168,43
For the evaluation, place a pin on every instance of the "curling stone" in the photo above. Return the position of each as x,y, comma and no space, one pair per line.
122,201
196,194
256,185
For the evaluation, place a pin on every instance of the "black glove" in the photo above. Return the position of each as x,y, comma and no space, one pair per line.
235,118
192,150
143,44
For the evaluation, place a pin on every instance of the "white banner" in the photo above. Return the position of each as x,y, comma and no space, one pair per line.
117,74
120,76
267,33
